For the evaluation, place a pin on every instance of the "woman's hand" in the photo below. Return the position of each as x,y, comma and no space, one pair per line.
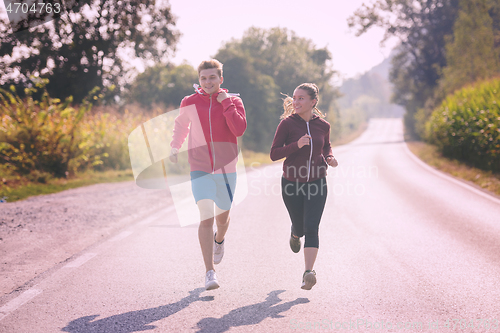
305,140
332,161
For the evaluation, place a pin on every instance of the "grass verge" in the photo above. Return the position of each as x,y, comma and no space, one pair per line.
430,155
16,189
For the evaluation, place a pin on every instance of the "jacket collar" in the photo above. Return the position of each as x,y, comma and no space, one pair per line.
202,92
296,116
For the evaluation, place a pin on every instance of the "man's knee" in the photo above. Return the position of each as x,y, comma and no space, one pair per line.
206,208
207,223
222,220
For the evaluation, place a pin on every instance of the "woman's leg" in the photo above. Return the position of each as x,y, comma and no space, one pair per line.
294,202
313,210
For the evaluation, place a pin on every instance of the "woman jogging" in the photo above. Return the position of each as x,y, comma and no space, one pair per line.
303,138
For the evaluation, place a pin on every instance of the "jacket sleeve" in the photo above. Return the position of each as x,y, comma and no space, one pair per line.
181,126
278,149
234,112
327,147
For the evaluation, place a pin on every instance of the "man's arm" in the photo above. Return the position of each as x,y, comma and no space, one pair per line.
234,112
181,131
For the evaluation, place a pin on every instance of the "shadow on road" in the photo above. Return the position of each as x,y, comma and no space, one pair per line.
249,315
133,321
138,321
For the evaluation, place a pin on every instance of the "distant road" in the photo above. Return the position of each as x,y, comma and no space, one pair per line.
402,248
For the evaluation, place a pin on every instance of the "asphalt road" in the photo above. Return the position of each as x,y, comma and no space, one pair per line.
402,248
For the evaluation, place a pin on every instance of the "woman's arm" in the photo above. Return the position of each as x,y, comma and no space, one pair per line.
278,148
327,151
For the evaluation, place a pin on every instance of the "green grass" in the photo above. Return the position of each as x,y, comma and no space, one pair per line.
15,188
431,155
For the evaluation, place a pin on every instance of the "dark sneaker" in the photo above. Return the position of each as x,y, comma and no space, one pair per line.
294,243
308,280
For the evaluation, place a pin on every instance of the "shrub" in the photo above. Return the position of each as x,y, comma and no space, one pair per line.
39,134
467,125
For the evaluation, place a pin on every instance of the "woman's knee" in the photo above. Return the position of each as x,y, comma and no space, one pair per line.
312,239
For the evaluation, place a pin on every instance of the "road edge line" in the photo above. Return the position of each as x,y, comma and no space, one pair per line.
448,177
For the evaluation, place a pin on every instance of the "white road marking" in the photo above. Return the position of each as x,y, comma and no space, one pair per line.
80,260
14,304
449,178
120,236
20,300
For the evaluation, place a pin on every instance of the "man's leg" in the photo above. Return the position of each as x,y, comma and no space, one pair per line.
206,232
222,221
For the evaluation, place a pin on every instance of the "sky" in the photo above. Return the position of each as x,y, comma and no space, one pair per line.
206,26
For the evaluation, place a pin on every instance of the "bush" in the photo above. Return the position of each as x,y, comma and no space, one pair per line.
104,142
40,134
467,125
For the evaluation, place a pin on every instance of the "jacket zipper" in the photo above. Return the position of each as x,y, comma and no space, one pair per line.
311,153
211,137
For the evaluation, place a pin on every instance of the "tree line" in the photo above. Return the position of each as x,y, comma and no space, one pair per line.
444,45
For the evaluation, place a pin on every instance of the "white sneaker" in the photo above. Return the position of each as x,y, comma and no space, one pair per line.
218,251
211,280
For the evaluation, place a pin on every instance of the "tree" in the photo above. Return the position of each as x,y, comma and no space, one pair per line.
166,84
471,54
421,27
85,48
263,64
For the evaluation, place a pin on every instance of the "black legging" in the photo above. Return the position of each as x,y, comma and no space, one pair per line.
305,203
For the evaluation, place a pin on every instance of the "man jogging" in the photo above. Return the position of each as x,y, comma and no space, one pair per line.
213,119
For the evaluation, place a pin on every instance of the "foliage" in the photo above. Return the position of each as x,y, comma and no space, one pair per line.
421,26
162,84
46,137
263,64
467,125
104,141
85,48
40,134
471,54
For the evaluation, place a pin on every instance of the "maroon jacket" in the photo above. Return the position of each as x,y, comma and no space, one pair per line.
302,164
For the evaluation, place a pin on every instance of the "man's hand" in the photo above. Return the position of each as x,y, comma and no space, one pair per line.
332,161
222,96
173,155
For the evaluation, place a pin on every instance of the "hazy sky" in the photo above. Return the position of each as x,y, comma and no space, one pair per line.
207,25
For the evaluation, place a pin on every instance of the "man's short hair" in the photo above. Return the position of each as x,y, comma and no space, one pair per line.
212,63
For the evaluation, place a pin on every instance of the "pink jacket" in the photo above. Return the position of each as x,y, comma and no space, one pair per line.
213,128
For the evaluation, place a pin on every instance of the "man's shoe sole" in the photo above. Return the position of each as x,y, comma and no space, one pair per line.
212,285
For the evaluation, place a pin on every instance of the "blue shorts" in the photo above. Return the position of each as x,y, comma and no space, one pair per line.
217,187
